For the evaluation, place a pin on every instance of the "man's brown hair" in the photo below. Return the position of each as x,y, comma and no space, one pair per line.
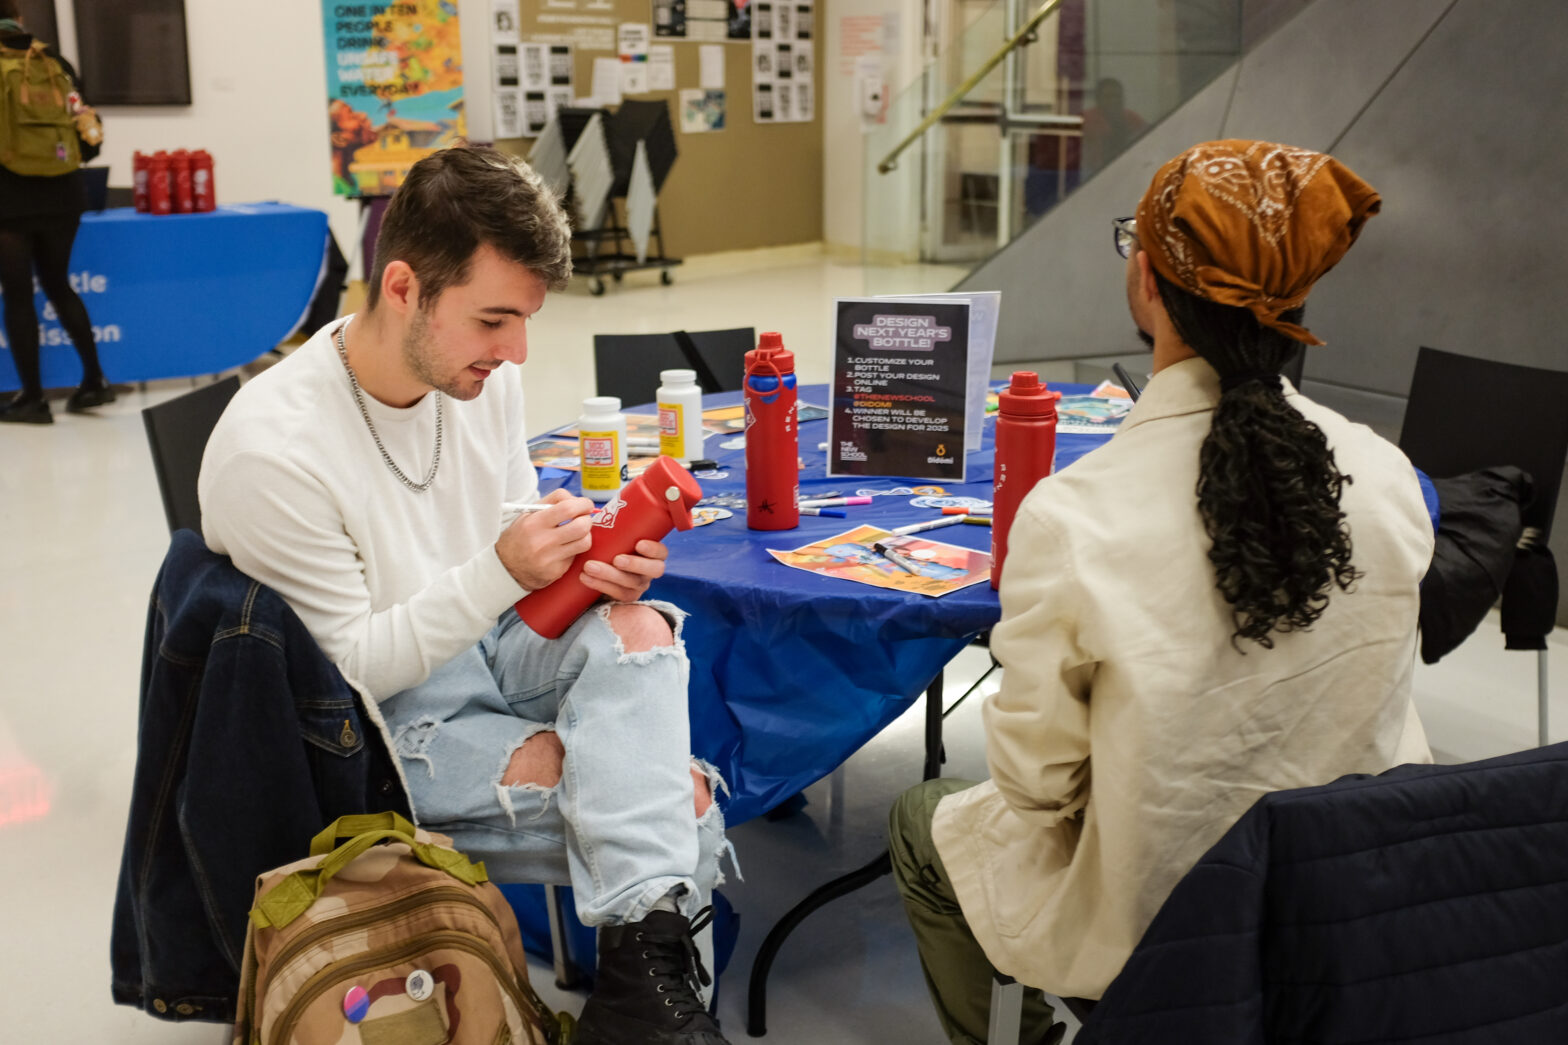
455,201
10,9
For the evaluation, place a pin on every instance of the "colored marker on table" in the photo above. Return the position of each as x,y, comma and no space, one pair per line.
934,524
977,520
966,510
834,502
806,509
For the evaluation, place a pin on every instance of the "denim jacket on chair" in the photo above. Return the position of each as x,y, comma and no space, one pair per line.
249,742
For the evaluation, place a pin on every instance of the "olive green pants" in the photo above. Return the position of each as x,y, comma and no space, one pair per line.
958,973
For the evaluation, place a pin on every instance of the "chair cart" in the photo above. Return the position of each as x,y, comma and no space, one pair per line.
617,163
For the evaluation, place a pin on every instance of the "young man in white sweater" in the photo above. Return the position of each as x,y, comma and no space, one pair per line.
374,478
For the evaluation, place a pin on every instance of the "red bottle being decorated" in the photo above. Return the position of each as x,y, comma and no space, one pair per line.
180,176
204,194
772,439
159,198
1025,451
647,508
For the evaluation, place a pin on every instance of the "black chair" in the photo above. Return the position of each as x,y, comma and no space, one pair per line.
1465,414
628,365
177,434
1421,905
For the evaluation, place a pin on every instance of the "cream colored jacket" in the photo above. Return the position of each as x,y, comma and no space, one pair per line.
1128,734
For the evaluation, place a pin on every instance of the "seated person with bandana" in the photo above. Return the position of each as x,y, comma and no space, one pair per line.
1218,603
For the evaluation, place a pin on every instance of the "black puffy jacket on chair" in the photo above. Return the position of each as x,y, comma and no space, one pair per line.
1427,905
249,742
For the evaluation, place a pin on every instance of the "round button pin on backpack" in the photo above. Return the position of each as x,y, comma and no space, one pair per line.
356,1003
420,985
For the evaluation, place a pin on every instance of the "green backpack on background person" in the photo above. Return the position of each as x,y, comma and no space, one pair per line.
37,127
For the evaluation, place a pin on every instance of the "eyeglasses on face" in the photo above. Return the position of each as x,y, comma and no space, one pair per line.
1126,230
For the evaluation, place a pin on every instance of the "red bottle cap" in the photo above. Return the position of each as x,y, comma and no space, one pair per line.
674,488
1028,396
770,348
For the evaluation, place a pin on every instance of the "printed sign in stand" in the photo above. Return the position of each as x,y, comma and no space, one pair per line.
900,388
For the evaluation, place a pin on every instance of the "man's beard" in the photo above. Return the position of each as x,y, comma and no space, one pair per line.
1146,337
415,342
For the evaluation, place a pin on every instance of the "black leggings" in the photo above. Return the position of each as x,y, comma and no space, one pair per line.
43,244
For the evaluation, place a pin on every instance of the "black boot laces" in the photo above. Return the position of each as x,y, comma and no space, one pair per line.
677,966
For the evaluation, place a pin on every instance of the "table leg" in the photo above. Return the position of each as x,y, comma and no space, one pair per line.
757,990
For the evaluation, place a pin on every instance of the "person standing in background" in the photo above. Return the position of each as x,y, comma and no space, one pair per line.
39,216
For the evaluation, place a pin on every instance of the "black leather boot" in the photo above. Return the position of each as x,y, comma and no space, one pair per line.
91,393
646,992
26,410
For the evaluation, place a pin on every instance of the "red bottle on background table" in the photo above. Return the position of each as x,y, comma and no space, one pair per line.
180,176
159,198
1025,452
645,509
772,437
204,192
139,181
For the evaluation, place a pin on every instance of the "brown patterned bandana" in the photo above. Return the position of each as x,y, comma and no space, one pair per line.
1253,224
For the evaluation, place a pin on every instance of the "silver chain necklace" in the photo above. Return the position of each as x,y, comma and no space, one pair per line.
359,397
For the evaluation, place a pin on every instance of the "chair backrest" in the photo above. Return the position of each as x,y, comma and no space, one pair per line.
177,433
1425,904
1465,414
628,365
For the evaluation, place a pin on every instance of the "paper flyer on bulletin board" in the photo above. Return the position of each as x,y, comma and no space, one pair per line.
783,61
900,388
707,20
394,89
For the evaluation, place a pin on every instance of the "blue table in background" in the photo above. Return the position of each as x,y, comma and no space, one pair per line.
183,294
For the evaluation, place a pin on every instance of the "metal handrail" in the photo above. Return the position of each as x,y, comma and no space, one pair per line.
968,85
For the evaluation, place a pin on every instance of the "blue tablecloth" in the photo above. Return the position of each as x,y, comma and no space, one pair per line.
792,672
183,294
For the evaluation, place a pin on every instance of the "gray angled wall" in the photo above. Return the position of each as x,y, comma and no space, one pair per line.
1455,110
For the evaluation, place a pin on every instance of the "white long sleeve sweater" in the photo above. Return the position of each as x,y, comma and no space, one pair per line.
391,582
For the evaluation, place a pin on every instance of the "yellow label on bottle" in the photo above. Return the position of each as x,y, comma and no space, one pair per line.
672,441
601,459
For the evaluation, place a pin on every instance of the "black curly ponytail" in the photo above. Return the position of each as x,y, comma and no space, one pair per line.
1268,485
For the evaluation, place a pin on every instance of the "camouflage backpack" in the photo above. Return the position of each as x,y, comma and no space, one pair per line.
406,942
37,128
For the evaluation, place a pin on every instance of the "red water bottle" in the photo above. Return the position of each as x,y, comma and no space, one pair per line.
159,199
646,509
1025,451
772,440
139,181
204,193
180,175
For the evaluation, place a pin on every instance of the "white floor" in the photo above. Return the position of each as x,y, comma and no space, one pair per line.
81,537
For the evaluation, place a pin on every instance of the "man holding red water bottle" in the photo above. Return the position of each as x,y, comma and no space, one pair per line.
1184,627
375,478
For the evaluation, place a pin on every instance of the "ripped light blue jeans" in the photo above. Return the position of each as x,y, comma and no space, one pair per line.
620,827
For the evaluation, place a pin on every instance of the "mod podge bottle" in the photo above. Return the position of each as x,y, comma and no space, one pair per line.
601,446
680,415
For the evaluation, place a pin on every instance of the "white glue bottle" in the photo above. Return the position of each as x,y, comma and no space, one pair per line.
601,442
680,415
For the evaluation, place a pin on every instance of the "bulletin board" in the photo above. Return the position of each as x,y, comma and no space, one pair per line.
740,186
